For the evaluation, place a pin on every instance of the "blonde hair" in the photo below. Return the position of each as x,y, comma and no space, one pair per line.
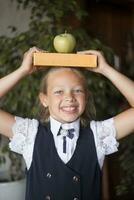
89,112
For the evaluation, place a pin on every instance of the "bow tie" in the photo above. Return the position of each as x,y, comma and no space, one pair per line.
66,133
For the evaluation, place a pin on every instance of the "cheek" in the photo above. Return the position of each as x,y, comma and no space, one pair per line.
82,101
54,100
83,98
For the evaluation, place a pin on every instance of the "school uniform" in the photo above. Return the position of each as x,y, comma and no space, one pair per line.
53,174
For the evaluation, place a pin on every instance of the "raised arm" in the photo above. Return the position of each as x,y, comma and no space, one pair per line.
8,82
124,122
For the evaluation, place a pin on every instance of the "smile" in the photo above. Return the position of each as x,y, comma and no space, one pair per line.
69,109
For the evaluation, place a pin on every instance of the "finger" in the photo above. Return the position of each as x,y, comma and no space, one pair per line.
33,49
90,52
36,49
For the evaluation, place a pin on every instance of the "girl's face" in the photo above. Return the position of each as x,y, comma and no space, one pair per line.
66,96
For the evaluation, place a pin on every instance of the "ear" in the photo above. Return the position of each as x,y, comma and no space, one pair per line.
43,99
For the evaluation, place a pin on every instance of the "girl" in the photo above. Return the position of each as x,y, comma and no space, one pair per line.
64,155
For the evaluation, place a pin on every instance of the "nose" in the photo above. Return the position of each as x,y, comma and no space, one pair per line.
69,96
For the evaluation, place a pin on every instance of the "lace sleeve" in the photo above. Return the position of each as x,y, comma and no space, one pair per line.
24,133
105,138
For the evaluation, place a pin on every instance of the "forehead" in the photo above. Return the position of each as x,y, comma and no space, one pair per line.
60,74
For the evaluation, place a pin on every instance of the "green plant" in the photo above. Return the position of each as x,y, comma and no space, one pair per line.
49,18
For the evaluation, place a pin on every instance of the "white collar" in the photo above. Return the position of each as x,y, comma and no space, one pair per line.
55,126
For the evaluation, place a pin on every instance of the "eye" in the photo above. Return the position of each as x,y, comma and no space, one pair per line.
58,92
77,91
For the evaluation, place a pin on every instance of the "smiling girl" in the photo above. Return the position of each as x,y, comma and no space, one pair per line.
65,150
66,97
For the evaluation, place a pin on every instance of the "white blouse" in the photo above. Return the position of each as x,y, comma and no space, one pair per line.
25,130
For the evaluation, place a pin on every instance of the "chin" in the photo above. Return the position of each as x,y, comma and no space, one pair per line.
66,119
69,120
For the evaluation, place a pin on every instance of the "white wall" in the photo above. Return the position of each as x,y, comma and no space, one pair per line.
11,15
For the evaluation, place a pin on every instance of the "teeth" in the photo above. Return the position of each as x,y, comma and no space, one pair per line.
69,108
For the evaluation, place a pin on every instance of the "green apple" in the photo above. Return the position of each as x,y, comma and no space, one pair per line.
64,43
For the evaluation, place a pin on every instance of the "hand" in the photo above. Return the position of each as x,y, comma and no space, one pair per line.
102,64
27,63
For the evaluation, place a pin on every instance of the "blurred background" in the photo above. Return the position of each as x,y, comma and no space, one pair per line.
106,25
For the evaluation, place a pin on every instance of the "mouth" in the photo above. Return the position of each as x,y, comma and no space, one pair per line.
69,109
